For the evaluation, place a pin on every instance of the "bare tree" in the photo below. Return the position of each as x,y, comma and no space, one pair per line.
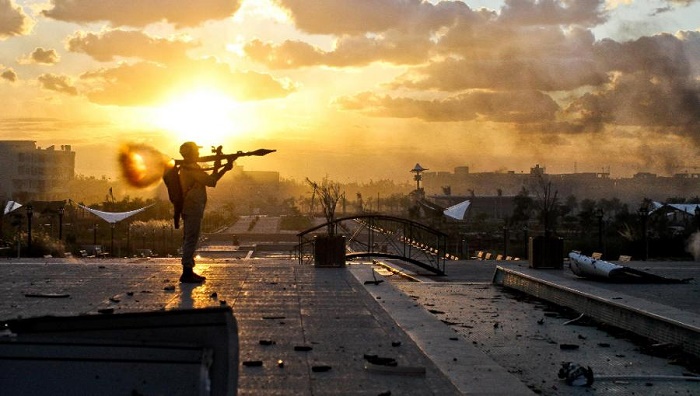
329,194
546,202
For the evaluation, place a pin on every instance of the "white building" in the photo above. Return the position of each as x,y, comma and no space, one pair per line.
28,172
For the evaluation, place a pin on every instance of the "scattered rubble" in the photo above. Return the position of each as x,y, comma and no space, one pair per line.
47,295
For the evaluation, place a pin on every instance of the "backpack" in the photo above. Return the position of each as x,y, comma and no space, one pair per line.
171,178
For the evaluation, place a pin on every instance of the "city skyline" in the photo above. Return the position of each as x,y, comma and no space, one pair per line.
360,89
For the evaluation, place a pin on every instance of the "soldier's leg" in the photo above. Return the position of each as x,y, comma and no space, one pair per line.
191,230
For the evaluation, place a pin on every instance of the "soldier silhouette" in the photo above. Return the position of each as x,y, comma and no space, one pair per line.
194,182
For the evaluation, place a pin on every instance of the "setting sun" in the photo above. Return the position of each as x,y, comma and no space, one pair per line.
477,84
205,116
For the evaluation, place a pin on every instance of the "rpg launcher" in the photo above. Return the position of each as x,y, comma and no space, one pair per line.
218,156
172,179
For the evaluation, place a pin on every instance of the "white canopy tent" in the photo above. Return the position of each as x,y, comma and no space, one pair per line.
458,211
113,217
690,209
11,206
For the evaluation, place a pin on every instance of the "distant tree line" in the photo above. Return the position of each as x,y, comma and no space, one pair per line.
606,225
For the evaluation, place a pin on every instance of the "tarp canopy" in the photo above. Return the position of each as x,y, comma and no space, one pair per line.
457,211
114,217
687,208
11,206
38,207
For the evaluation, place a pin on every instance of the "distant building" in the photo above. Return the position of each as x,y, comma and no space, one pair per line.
271,178
240,184
594,186
29,173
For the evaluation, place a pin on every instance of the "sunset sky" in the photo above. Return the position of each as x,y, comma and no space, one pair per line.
360,89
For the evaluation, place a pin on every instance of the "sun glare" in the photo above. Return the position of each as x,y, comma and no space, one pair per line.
205,116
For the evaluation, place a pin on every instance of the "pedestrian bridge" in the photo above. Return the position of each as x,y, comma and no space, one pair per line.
382,236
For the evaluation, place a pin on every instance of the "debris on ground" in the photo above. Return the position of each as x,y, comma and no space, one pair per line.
47,295
575,374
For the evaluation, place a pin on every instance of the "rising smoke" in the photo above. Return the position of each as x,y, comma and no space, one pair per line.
692,245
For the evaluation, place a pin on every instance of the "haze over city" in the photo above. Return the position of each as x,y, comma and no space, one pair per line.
360,89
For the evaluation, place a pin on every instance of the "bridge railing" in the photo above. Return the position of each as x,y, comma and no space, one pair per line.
304,251
381,235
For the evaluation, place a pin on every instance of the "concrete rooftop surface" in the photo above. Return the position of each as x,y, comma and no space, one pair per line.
310,331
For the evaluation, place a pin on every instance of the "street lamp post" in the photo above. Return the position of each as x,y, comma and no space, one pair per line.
111,246
94,234
128,240
599,215
30,214
526,239
61,211
644,215
418,177
163,245
505,241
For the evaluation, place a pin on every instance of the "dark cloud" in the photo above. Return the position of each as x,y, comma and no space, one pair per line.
107,46
504,66
642,99
681,3
349,51
43,56
139,13
661,55
53,82
13,20
395,31
662,10
554,12
9,75
491,39
502,56
149,83
532,65
655,85
357,17
545,74
419,31
672,5
508,107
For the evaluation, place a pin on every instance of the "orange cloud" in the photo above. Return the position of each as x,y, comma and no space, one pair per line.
9,75
107,46
57,83
41,56
357,17
139,13
507,107
394,47
148,84
13,20
534,63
